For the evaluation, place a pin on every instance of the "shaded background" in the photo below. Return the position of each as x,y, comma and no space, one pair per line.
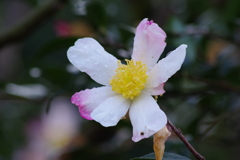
37,120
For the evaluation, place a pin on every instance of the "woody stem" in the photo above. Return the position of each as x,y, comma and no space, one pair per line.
185,141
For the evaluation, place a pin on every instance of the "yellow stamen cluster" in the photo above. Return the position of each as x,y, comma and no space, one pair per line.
129,79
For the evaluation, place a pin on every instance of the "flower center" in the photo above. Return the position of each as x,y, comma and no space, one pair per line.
129,79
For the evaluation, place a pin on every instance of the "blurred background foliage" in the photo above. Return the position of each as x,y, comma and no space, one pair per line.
37,120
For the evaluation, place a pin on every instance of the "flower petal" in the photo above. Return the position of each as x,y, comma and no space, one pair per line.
90,99
159,90
89,56
146,117
149,43
111,111
166,67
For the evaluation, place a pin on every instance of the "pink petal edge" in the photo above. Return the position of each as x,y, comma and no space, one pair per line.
78,99
159,90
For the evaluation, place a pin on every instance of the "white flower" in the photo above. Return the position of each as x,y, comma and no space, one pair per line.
126,86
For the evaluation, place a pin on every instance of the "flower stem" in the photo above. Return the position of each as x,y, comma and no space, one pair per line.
184,140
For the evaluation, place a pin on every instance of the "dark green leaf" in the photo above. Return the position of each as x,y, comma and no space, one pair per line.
167,156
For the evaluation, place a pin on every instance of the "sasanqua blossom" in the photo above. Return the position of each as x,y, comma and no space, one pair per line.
130,86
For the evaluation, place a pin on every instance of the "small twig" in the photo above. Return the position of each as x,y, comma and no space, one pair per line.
221,118
205,33
184,140
218,84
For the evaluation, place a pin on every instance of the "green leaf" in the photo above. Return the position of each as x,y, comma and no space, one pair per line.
166,156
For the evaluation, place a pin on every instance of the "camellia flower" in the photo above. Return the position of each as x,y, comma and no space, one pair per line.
127,86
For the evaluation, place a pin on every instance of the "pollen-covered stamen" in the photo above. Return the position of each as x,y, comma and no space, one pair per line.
129,79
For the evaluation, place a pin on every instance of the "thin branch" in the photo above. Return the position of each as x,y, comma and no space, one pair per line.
184,140
205,33
218,83
30,22
221,118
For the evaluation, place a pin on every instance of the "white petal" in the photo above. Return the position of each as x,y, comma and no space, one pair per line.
90,99
166,67
111,111
89,56
146,117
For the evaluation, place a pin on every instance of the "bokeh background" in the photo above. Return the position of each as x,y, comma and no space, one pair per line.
37,120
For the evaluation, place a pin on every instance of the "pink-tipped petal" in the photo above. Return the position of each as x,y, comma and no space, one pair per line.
111,111
90,99
149,43
159,90
166,67
89,56
146,117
